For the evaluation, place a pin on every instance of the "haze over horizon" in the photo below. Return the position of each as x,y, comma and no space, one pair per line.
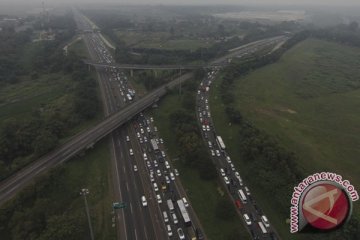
192,2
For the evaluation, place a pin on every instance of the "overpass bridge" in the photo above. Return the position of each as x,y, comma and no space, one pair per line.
82,141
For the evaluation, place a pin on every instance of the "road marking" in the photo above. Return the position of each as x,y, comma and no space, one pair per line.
127,186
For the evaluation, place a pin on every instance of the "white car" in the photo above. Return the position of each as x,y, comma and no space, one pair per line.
155,129
217,153
145,156
158,172
127,138
232,166
212,152
151,119
143,201
167,165
181,234
138,134
175,220
152,179
228,159
155,187
167,179
158,198
148,164
141,140
131,152
148,129
163,154
176,172
145,139
135,168
142,131
203,128
172,176
237,175
186,204
169,230
222,172
161,140
226,180
247,219
156,164
247,191
208,128
265,221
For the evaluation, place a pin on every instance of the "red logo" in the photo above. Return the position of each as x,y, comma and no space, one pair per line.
325,206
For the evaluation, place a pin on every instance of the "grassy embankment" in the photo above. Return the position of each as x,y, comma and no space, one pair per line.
308,101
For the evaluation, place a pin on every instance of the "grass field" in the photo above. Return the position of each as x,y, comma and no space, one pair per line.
204,195
160,40
309,102
80,49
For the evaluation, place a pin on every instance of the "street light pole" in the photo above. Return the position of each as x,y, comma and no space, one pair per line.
84,192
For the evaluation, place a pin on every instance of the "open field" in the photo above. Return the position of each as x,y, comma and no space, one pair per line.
308,101
80,49
204,195
160,40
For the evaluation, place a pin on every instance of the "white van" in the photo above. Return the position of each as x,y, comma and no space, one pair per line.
265,221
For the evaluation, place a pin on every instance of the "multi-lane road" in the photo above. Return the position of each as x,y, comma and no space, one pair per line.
130,183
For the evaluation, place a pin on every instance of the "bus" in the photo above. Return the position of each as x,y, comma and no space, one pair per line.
184,213
154,144
170,205
220,142
242,195
263,229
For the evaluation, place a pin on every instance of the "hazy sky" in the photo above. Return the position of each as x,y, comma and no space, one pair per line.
197,2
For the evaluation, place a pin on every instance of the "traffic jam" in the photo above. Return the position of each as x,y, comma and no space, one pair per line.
253,217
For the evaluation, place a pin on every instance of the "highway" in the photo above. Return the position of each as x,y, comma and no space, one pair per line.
136,222
229,175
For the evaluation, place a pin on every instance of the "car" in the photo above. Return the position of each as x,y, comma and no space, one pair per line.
186,204
176,172
163,154
141,140
168,227
172,176
167,179
148,164
210,144
212,152
143,201
232,166
155,187
151,119
145,139
247,219
204,128
206,101
157,140
208,128
175,220
209,115
152,179
265,221
222,172
155,129
158,198
131,152
156,164
181,233
228,159
166,218
161,140
158,172
237,175
217,153
145,156
148,129
247,191
226,180
138,134
201,120
127,138
238,203
135,168
167,165
142,130
207,107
